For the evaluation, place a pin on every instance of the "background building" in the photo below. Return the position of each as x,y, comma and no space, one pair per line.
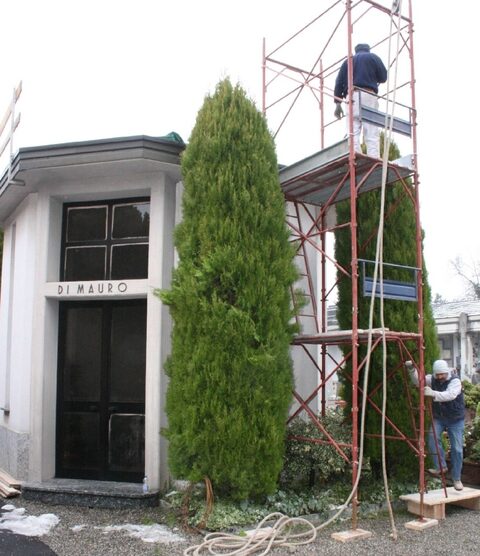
458,328
87,240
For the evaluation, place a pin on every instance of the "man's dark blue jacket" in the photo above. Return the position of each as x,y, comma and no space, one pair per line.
368,72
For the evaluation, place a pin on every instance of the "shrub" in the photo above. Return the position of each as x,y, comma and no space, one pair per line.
471,393
472,438
309,463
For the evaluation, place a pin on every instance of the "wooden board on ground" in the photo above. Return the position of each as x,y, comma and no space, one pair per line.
351,535
435,500
8,480
8,492
8,485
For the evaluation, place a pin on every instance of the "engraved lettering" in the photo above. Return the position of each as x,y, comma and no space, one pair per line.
122,287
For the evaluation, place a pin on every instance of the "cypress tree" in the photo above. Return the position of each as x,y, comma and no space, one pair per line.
230,368
399,247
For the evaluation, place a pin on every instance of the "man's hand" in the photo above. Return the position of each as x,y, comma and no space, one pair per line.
427,391
412,371
338,111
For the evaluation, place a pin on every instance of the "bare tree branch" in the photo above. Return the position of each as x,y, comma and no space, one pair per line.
470,274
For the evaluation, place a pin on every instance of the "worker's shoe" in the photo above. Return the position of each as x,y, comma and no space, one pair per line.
436,472
457,485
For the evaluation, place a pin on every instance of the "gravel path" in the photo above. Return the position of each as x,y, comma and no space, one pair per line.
458,534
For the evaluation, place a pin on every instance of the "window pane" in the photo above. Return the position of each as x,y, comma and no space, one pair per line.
128,353
83,354
129,261
126,437
87,223
85,263
131,220
81,441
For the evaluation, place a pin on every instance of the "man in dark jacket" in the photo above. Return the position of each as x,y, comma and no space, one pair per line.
368,73
448,407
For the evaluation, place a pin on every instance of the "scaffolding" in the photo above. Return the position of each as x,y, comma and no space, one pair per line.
14,119
298,100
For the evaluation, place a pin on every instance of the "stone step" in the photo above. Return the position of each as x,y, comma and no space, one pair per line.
98,494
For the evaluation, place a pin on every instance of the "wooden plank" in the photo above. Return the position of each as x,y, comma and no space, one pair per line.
8,492
438,496
471,504
434,501
432,512
421,524
8,479
351,535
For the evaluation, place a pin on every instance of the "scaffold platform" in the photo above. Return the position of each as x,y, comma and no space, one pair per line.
324,177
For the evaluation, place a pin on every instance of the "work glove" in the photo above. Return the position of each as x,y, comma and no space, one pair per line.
411,370
427,391
338,111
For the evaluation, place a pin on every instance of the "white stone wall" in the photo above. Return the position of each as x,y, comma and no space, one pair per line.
16,333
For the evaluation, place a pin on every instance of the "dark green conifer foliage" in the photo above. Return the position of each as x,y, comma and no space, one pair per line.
230,369
399,248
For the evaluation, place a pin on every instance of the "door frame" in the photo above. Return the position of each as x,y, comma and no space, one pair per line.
104,473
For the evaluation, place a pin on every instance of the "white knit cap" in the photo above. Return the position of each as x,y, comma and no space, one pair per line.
440,366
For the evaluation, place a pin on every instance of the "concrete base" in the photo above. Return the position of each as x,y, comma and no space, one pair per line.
421,524
14,452
351,535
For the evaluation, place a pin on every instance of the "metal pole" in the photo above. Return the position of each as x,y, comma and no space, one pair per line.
421,347
322,107
264,76
324,313
354,269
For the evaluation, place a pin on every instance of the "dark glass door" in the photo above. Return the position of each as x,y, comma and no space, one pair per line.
101,390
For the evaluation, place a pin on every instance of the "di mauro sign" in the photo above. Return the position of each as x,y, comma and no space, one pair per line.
96,289
91,288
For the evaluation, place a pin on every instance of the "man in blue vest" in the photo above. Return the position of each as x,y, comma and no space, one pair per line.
368,72
448,408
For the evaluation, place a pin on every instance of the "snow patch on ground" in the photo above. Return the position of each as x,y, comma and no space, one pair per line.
147,533
17,521
14,520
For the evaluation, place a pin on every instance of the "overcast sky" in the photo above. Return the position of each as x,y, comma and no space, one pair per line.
114,68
